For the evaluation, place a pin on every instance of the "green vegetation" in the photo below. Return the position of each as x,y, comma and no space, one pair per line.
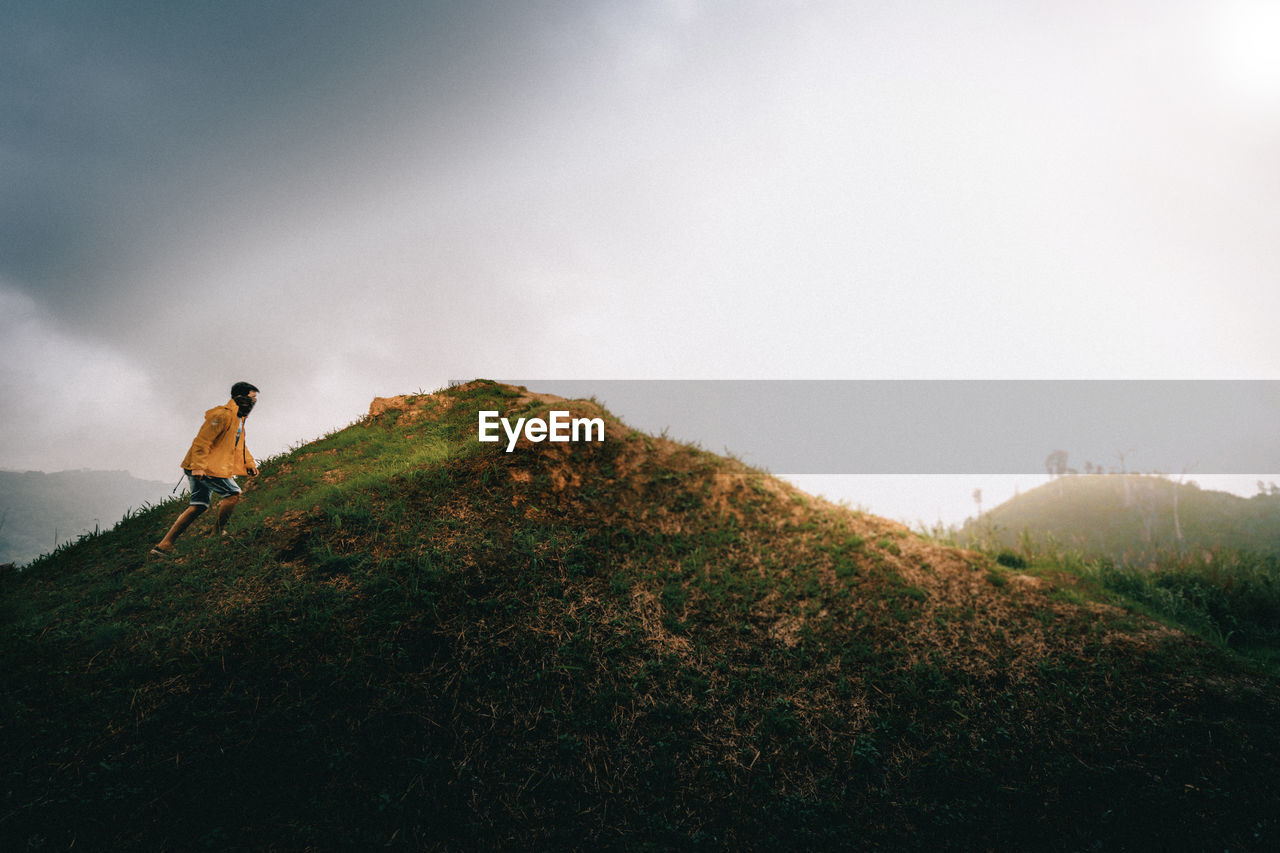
1204,562
416,641
1228,598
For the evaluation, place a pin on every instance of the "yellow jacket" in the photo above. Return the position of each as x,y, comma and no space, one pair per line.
219,449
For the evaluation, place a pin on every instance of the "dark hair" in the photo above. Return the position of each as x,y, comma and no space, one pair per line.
242,388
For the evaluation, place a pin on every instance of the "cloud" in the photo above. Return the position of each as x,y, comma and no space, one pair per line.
68,402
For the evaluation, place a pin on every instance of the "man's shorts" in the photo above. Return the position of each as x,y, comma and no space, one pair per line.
203,488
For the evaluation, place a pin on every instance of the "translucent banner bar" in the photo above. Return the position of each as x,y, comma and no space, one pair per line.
957,426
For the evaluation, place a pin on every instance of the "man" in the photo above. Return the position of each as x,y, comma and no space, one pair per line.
217,455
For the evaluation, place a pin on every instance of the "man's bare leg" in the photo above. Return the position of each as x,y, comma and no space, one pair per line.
184,520
225,506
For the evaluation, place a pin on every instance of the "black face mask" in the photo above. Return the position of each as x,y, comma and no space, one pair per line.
244,404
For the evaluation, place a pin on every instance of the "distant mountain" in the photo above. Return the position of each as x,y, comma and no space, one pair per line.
40,511
1132,516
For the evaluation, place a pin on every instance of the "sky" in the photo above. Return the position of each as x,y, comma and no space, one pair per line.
337,201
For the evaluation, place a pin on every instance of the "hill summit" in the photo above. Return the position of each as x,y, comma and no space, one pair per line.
417,640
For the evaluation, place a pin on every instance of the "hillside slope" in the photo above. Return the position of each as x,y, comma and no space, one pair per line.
1132,517
418,641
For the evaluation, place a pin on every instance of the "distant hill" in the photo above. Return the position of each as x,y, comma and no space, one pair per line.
39,511
415,640
1132,516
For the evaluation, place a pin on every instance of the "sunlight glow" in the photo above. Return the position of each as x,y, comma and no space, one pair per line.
1246,51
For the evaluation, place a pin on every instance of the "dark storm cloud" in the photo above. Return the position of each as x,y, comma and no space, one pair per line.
113,116
103,104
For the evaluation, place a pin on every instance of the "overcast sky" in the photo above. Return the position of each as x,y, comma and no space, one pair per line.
338,201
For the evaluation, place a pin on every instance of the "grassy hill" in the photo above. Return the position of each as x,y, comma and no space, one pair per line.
1132,517
418,641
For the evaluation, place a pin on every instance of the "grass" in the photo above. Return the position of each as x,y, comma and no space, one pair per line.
416,642
1231,598
1227,597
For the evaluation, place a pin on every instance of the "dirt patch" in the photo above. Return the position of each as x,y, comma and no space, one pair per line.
732,493
430,407
382,405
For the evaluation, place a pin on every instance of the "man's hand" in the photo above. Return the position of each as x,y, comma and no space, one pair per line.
253,472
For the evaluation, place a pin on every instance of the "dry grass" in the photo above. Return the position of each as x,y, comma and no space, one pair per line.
636,644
